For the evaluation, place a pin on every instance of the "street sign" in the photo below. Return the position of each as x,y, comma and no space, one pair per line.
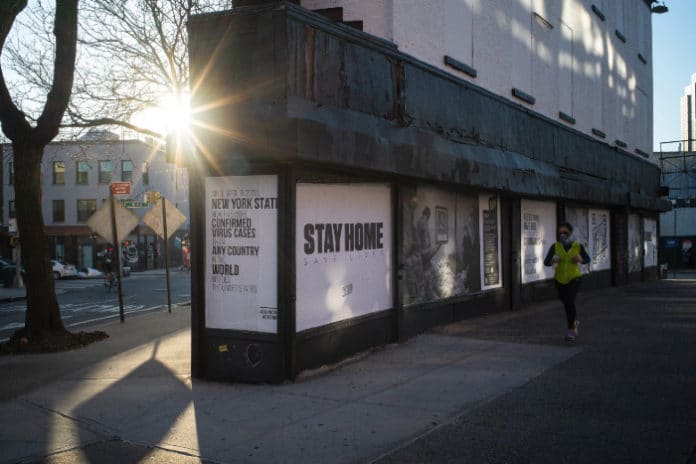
152,196
175,218
120,188
135,204
100,222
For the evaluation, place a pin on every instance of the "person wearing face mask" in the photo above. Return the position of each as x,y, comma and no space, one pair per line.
566,256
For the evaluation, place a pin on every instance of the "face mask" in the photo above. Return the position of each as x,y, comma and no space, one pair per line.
563,237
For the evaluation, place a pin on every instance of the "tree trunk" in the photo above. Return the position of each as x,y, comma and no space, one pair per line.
43,314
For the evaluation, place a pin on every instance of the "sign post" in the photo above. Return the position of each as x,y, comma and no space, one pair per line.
114,223
118,188
171,216
166,254
117,257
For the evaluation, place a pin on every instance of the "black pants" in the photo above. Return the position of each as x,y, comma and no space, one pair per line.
567,294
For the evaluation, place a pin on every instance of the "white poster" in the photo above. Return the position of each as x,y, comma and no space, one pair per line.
635,243
489,231
343,249
538,234
650,242
241,253
599,246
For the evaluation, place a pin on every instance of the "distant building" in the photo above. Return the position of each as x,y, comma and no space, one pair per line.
688,115
75,183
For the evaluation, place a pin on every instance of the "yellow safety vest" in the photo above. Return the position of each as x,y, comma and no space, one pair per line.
567,270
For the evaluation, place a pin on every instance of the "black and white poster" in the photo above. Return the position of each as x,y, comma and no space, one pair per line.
635,243
599,239
579,219
538,234
241,253
489,231
650,242
440,254
343,251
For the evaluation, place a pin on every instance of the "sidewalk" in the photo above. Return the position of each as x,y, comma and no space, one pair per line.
492,389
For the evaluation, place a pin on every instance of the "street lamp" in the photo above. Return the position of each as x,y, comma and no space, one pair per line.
659,9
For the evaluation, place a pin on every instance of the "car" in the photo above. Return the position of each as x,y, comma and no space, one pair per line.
62,269
8,269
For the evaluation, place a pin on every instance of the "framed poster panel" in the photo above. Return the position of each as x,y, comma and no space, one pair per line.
489,232
599,239
241,253
635,243
440,251
343,251
538,234
650,242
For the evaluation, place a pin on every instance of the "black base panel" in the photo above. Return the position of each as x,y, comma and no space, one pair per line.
538,291
596,280
340,341
651,273
231,358
419,319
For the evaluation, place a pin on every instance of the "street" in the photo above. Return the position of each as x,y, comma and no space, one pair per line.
87,301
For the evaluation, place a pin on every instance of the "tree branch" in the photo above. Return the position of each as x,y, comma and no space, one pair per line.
63,71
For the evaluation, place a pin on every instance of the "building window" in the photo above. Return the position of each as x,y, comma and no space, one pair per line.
11,210
146,174
82,176
85,208
11,172
104,172
58,210
59,172
127,171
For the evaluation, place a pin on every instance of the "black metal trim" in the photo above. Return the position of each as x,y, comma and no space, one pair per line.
642,153
525,97
598,12
566,117
642,58
620,35
598,133
620,143
459,66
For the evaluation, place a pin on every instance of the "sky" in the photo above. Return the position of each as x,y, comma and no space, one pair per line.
674,61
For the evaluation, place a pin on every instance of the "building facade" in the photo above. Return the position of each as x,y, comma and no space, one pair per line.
75,183
688,116
367,170
583,63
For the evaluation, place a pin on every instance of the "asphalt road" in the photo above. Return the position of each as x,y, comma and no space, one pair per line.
86,301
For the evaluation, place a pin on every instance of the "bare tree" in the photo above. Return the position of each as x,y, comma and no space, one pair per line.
133,55
28,141
128,56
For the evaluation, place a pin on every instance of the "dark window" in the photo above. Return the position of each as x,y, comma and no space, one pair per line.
11,210
11,172
59,172
85,208
82,176
104,172
146,174
127,171
58,210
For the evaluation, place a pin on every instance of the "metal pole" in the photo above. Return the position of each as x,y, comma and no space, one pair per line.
166,254
117,257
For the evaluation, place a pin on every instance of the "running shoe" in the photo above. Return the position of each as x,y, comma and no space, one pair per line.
570,336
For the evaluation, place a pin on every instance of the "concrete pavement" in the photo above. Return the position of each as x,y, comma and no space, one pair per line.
503,388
